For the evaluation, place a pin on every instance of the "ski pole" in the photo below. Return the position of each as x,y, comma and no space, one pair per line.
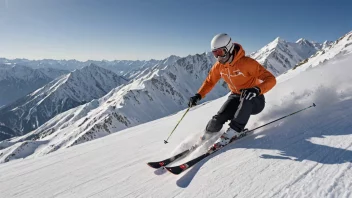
166,141
283,117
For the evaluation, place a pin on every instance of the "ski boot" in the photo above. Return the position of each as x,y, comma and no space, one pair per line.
226,138
205,137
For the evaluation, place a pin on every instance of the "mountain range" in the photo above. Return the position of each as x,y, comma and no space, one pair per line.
68,91
120,67
16,80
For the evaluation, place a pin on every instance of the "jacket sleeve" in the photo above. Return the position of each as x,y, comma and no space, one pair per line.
211,80
267,78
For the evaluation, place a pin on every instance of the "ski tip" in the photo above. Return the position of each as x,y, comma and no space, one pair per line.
173,170
165,142
314,105
154,165
170,170
149,165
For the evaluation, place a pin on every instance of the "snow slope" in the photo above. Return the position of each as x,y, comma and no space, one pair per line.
68,91
279,55
16,81
306,155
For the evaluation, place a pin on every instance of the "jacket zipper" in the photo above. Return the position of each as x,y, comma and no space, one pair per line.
228,72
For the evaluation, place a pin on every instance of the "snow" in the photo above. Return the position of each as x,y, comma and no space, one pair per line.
279,55
308,154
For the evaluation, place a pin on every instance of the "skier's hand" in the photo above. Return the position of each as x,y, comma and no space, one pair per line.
194,100
250,93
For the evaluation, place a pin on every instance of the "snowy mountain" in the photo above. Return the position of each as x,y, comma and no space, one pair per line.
5,133
16,81
306,48
280,55
71,90
334,50
135,72
308,154
326,44
120,67
154,93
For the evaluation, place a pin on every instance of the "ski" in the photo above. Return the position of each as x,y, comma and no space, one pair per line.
179,169
167,161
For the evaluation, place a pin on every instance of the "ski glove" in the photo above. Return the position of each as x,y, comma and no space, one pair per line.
194,100
250,93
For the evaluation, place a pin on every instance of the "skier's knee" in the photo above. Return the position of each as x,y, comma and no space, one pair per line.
214,126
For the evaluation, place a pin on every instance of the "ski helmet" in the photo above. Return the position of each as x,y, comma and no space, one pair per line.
221,46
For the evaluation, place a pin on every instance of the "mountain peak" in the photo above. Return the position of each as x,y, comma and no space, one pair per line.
89,68
326,42
300,40
93,65
278,39
171,59
275,42
303,40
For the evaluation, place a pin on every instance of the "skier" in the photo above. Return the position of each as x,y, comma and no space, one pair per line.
247,80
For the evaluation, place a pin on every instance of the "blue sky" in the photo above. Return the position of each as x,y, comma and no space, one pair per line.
145,29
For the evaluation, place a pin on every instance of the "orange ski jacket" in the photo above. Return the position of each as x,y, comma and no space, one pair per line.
243,72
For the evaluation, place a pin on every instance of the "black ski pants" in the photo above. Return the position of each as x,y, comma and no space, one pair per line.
237,111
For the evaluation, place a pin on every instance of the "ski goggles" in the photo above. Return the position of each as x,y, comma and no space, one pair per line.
220,52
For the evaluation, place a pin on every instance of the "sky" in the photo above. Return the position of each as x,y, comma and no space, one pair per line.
156,29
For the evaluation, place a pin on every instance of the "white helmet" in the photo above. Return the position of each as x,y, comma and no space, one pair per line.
222,47
221,40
